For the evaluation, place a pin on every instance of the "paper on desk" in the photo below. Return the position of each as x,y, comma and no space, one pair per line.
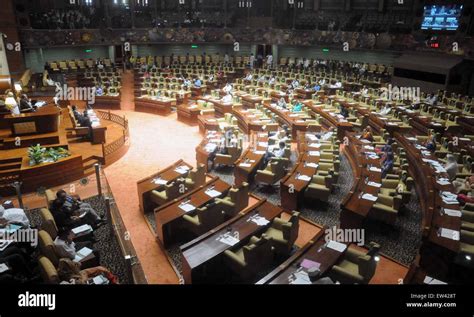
433,281
443,181
228,239
210,147
301,278
308,264
263,144
181,170
81,229
100,280
213,193
3,267
374,169
82,253
311,137
374,184
245,165
452,212
316,145
313,165
160,181
314,153
370,197
304,178
259,220
187,207
338,246
449,234
259,152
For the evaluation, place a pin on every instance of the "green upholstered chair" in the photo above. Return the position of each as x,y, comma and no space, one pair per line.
284,233
48,224
170,192
319,188
47,247
204,218
395,187
250,259
356,267
233,153
47,271
386,208
196,177
466,245
467,220
236,200
273,172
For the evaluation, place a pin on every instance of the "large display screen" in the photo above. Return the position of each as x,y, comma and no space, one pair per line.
441,17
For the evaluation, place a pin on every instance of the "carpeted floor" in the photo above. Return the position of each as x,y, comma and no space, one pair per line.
107,244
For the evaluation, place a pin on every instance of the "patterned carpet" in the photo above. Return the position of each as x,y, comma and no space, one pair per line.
400,242
110,253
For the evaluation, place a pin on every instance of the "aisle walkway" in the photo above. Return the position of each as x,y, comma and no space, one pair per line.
156,142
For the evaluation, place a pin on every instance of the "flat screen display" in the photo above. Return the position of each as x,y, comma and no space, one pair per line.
441,17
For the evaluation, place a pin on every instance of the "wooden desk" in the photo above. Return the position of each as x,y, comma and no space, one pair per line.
204,253
146,185
249,122
169,216
315,250
356,209
330,120
107,102
246,173
156,106
188,113
44,120
99,135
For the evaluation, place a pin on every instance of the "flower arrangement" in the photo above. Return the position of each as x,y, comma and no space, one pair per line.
38,154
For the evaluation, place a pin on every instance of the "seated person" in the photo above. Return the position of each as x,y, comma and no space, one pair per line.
387,166
261,79
71,273
295,83
77,115
322,82
367,134
463,185
227,98
272,80
387,147
297,107
227,88
274,152
344,112
364,91
67,248
13,108
249,76
282,103
316,87
47,81
14,216
430,143
197,83
451,167
74,207
385,110
99,91
19,266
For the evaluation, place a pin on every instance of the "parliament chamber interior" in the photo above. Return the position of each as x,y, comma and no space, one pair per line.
236,142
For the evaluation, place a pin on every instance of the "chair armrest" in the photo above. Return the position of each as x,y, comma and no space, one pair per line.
346,275
192,220
234,258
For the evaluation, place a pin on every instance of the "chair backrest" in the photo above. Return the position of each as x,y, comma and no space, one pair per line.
258,251
47,247
367,266
210,217
198,175
48,224
240,196
291,227
48,271
49,194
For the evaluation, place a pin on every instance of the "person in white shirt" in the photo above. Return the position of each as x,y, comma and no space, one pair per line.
249,76
295,83
261,79
270,60
226,59
272,80
385,110
14,216
227,98
278,152
338,84
227,88
67,248
13,107
252,61
364,91
306,63
322,81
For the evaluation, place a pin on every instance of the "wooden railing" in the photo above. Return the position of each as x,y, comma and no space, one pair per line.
114,150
